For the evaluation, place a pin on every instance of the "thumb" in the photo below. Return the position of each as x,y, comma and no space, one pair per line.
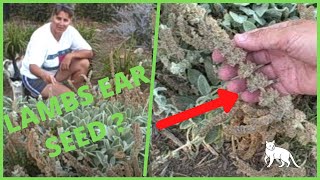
263,39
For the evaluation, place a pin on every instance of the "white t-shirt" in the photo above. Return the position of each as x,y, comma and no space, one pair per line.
44,50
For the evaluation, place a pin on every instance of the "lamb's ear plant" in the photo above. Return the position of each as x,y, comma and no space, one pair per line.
187,36
26,153
242,17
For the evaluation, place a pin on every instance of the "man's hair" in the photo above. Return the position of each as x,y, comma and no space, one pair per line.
65,8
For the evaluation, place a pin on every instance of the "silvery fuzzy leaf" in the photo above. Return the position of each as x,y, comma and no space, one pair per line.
212,77
273,13
242,4
112,160
96,160
206,7
103,150
91,148
100,156
97,117
82,122
296,17
260,10
195,131
103,106
175,154
89,119
126,146
238,17
35,101
285,13
227,20
109,133
198,119
126,131
293,7
128,113
235,24
106,143
213,135
116,141
87,153
185,124
252,20
182,102
217,7
52,123
105,162
161,100
272,22
104,117
77,112
247,11
115,109
110,122
80,157
203,85
68,117
108,109
198,141
261,21
248,26
202,99
93,111
85,114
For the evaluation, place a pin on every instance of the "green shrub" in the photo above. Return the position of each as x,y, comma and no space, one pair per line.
16,38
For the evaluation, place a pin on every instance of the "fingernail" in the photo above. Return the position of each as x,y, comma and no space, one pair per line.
241,37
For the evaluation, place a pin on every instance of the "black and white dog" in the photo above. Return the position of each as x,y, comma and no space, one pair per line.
12,73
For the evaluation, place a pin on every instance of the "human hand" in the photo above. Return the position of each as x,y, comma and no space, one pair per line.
65,64
287,53
49,78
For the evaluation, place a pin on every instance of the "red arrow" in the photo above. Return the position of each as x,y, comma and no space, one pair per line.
226,99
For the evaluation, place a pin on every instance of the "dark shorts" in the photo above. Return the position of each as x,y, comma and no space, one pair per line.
34,86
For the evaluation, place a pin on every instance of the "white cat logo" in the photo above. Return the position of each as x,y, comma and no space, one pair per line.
278,154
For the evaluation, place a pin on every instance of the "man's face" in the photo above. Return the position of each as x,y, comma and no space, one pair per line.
60,22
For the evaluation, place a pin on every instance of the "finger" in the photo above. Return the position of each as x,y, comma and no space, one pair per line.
237,85
250,97
259,57
227,72
269,38
281,89
52,80
268,71
280,25
217,56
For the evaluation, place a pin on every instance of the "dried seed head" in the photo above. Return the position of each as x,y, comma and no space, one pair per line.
246,69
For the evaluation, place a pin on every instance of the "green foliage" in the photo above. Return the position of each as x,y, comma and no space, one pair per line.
32,11
89,32
16,38
121,58
241,17
136,20
41,12
97,12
